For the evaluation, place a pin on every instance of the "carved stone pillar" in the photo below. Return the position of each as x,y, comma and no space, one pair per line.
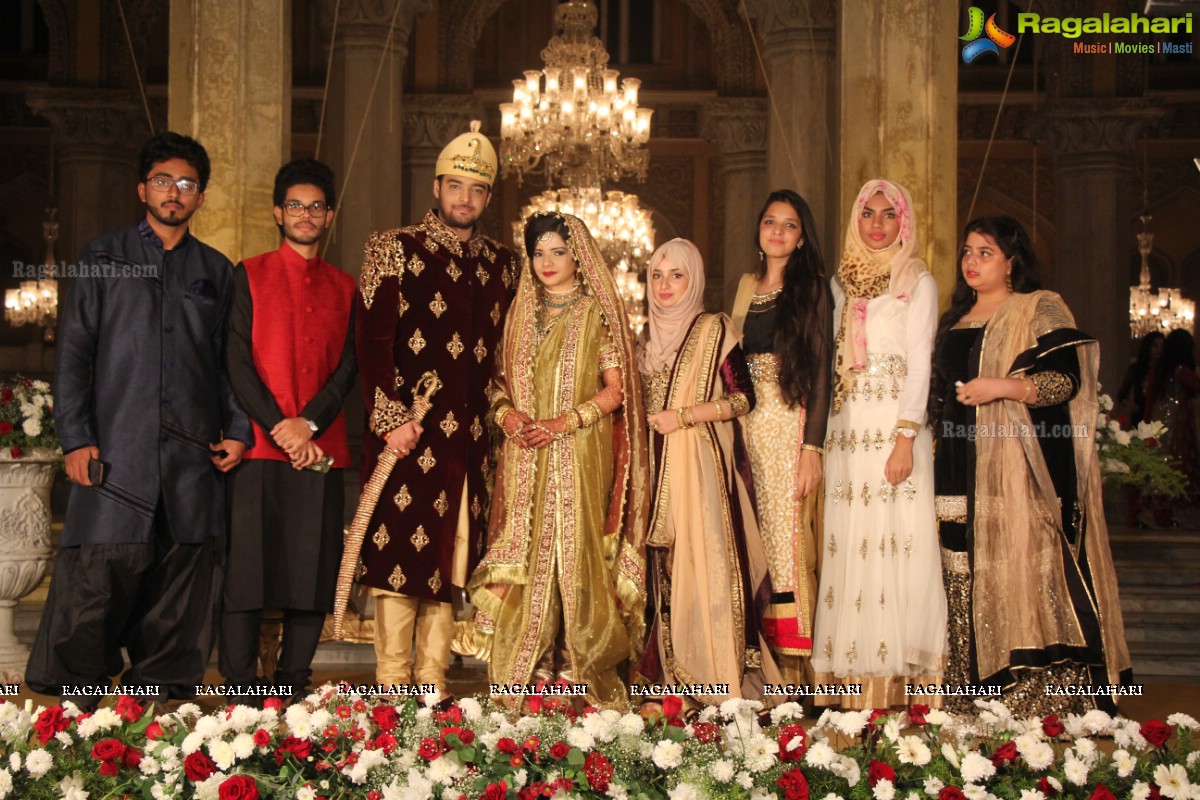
899,84
430,122
364,129
230,87
739,127
96,136
798,48
1095,174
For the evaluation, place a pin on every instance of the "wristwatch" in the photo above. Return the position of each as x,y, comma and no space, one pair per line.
312,426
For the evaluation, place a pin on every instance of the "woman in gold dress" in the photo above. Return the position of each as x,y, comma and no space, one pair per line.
560,594
785,310
708,576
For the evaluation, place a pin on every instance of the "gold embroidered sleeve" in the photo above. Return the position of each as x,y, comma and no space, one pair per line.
383,256
1052,388
738,403
610,356
387,415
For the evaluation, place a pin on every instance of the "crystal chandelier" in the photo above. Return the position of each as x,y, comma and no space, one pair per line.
36,301
1164,310
622,230
571,115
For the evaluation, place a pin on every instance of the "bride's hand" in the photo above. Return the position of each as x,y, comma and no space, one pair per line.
542,432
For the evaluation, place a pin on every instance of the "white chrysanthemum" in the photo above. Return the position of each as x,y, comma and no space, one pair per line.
599,726
207,727
431,699
471,708
101,720
243,745
851,723
64,737
14,762
191,743
295,714
721,771
366,760
578,737
819,754
786,711
884,790
1055,783
935,716
667,754
1192,758
1032,794
848,768
222,754
832,796
976,768
644,748
933,786
973,791
6,783
1074,726
760,753
1075,771
631,725
1038,754
320,719
307,793
1085,749
950,754
1097,722
911,750
72,787
490,739
744,780
759,793
38,763
1172,781
1183,721
891,729
520,778
1141,791
452,793
169,756
1124,762
149,765
684,791
526,725
442,770
188,710
243,718
617,791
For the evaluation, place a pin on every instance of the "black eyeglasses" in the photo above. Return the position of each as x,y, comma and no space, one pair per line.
161,183
295,208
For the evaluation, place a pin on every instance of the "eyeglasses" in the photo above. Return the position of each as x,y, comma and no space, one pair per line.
295,208
161,183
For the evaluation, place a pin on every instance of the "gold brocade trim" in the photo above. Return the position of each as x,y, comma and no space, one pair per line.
455,346
971,324
956,562
441,505
838,440
739,405
387,414
402,499
480,351
381,537
763,367
654,389
426,462
1052,388
397,578
419,538
449,425
878,691
950,508
610,357
882,377
383,257
437,305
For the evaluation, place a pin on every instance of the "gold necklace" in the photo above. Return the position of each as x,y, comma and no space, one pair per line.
561,299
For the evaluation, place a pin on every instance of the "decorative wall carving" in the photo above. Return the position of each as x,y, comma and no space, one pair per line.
736,124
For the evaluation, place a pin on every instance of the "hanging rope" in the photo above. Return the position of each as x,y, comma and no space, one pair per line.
337,7
137,71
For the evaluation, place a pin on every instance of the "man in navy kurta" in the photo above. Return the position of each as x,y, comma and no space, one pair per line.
141,388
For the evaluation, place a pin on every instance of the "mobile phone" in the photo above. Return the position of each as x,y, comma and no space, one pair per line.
95,471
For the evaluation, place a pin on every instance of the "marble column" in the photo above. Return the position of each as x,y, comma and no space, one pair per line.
96,136
1094,146
430,122
230,87
363,135
798,50
738,125
899,84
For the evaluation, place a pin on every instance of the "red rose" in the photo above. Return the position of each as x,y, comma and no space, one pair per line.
534,703
1004,754
598,770
106,749
454,714
1052,727
506,745
1152,441
878,771
239,787
1102,793
110,767
385,717
132,757
374,795
198,767
1044,787
794,785
951,793
429,749
787,734
261,738
154,731
1155,732
1154,793
671,706
5,427
300,749
917,712
15,451
50,722
273,704
385,742
706,732
559,750
128,709
6,395
496,791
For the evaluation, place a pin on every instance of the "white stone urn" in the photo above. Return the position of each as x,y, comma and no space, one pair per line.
25,550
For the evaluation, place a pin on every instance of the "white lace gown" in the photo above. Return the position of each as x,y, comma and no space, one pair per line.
881,608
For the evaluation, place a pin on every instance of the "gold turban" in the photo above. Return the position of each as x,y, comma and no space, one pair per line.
469,155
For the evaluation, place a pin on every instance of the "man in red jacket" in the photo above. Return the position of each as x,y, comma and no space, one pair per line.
291,363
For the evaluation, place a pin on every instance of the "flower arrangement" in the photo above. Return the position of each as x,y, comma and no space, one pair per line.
26,418
340,744
1133,457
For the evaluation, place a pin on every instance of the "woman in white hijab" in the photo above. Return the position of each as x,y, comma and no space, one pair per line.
706,566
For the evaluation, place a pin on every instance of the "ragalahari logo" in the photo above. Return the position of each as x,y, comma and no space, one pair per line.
975,47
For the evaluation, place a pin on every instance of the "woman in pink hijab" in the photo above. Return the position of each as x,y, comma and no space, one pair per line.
707,571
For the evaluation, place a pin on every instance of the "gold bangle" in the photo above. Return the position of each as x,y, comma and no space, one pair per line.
679,417
1028,388
814,448
689,416
572,421
720,415
589,413
502,414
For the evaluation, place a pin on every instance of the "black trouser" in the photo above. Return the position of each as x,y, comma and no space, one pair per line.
238,652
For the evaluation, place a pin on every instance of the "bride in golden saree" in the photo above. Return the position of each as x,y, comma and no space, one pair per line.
560,593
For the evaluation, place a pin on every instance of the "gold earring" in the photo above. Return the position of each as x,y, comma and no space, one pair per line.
1008,281
761,256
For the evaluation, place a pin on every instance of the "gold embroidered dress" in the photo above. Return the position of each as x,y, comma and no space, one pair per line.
561,590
